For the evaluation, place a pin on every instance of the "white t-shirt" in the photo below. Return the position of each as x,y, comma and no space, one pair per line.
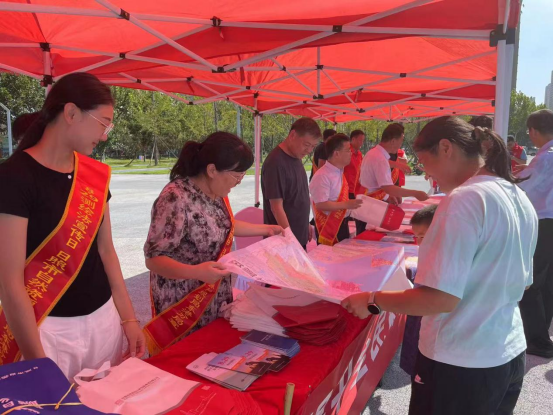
539,185
375,172
480,249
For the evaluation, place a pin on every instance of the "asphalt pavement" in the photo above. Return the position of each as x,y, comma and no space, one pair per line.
130,206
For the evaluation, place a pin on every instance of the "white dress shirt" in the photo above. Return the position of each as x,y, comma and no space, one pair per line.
375,172
326,184
539,185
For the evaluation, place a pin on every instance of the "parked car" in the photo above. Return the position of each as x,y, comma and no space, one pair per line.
532,151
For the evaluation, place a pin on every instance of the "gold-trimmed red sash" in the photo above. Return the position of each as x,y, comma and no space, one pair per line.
328,225
173,324
56,262
381,194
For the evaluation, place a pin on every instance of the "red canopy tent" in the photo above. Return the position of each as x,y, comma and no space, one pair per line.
392,60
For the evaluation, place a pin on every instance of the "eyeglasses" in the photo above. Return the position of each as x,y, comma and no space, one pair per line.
237,178
109,127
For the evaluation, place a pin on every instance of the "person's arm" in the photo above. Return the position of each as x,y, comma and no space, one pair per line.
397,191
209,272
420,301
333,206
251,229
120,295
401,165
278,211
518,160
13,295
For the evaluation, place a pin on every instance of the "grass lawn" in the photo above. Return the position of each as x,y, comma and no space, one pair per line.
163,167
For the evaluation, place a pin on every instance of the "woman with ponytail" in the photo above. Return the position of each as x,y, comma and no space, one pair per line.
474,266
58,266
192,227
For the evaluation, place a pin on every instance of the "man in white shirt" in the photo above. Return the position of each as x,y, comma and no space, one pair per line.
376,174
329,193
536,305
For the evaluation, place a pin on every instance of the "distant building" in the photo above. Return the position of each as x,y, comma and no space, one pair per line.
548,94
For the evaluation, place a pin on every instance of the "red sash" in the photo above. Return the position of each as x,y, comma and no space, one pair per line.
328,225
173,324
381,194
54,265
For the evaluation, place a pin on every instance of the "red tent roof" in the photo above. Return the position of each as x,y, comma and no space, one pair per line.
390,59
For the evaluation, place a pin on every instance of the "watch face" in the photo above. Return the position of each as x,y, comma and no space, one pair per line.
373,309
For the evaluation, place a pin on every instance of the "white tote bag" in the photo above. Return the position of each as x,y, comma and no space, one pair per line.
132,388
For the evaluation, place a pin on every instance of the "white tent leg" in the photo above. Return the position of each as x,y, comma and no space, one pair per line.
9,125
257,157
505,59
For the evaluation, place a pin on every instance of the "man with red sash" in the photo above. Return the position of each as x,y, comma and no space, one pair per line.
51,269
518,155
329,193
352,171
376,175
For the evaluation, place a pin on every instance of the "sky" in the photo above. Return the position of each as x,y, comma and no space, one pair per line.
535,48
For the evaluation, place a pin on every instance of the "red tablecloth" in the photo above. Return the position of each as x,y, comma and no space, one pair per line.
307,370
372,236
340,375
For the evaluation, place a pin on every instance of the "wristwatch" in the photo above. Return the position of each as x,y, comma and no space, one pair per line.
371,306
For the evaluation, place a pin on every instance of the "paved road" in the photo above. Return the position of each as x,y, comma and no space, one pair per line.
133,196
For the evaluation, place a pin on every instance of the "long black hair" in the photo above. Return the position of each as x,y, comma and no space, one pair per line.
82,89
224,150
473,141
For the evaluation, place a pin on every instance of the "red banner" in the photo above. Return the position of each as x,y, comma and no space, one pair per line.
173,324
54,265
349,386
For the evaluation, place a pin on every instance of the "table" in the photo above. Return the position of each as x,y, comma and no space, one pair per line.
320,374
341,376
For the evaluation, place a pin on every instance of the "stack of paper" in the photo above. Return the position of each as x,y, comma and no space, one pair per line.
278,344
255,308
223,377
319,323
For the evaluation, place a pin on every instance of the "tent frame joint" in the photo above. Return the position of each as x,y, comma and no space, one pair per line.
319,67
403,75
122,55
47,80
319,96
45,46
216,21
125,14
337,28
498,34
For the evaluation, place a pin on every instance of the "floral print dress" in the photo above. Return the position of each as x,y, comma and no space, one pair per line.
191,228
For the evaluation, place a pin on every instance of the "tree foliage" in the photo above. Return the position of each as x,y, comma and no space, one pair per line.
145,120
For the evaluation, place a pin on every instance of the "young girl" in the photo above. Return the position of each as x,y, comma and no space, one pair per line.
61,287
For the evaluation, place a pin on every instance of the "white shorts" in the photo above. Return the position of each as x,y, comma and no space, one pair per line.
84,342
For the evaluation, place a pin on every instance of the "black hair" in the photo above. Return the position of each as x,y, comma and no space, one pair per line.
483,121
541,121
392,131
306,126
21,124
424,216
328,133
335,142
224,150
511,138
84,90
473,141
356,133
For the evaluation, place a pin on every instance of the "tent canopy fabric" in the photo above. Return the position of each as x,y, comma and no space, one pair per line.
387,59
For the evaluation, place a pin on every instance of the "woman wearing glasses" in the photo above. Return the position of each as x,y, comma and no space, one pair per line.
58,266
192,227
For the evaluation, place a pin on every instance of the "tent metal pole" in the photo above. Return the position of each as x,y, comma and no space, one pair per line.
9,125
19,71
116,10
47,60
294,76
155,88
279,50
34,8
319,71
503,88
91,67
275,110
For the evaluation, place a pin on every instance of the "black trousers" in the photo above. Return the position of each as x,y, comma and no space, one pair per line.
536,304
360,226
442,389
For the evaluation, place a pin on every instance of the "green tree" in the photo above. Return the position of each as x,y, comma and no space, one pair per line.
521,106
